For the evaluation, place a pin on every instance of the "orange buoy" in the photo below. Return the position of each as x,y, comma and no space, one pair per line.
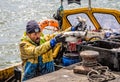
49,22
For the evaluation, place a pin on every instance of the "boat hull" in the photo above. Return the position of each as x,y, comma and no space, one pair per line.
9,72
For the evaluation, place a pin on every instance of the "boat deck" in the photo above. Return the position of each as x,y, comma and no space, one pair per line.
66,75
62,75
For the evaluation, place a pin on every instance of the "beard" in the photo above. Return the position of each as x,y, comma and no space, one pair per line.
37,41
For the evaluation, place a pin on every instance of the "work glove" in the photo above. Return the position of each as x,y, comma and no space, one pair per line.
53,42
60,38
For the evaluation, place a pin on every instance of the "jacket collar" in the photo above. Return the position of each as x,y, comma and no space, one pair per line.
26,38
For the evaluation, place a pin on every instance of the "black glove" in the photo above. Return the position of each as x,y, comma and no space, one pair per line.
79,27
60,38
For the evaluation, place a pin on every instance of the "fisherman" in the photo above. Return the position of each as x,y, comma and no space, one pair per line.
35,61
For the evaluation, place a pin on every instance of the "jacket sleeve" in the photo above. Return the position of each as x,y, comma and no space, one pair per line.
56,50
42,48
31,50
49,37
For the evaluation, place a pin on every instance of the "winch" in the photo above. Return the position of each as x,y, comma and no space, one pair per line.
71,55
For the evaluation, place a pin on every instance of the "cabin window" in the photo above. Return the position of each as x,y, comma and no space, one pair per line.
107,21
74,21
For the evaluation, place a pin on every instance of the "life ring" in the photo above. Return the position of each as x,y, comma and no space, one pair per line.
49,22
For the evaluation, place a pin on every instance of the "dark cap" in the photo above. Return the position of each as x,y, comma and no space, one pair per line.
32,26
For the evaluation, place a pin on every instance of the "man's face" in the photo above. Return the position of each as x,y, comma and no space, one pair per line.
35,37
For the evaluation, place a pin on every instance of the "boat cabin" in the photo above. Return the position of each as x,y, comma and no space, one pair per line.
96,18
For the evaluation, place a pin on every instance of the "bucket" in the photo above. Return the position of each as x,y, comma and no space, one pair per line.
70,59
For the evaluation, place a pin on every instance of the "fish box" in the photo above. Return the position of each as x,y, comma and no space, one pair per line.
109,52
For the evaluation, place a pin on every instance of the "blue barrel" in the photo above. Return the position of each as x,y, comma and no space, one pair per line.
70,58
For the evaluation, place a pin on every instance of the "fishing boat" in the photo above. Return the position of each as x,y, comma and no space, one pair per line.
99,22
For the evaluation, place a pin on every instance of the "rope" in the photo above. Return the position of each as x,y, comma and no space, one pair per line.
100,74
51,29
90,64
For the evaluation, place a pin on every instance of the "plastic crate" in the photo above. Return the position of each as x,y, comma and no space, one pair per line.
107,56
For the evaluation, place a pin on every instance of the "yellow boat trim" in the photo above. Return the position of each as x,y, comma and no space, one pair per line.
7,72
89,13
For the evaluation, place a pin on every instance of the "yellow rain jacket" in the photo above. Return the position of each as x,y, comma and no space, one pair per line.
36,58
30,51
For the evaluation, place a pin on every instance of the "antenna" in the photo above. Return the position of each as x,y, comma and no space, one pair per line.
89,4
61,2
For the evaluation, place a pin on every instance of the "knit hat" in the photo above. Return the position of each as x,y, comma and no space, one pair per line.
32,26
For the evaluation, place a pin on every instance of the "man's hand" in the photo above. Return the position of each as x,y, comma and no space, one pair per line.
60,38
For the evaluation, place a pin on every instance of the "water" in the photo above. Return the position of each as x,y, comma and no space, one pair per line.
14,15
